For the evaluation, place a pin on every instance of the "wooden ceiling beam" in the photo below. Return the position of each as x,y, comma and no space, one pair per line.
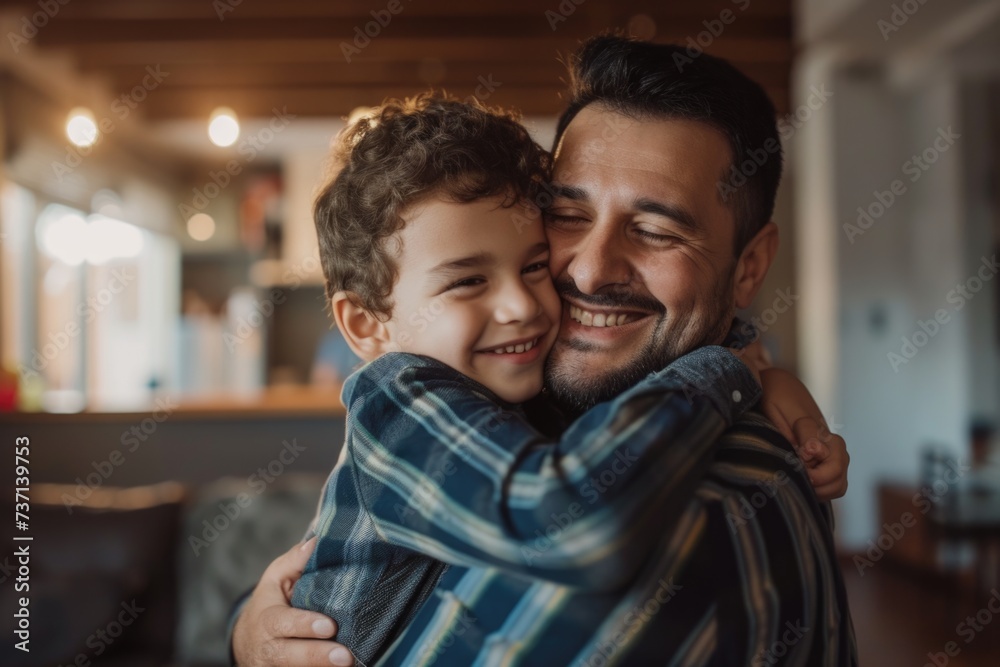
511,28
326,101
430,73
439,74
290,53
201,9
336,101
384,49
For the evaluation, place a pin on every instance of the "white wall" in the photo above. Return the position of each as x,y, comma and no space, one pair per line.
861,298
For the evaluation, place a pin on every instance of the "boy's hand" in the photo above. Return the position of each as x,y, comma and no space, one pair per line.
825,456
270,632
788,404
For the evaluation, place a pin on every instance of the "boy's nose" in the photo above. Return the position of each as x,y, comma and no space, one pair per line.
517,303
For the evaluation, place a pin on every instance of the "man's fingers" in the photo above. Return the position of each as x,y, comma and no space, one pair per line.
279,578
289,622
308,653
269,630
290,564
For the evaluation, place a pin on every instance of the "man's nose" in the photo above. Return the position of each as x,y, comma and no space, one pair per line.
598,260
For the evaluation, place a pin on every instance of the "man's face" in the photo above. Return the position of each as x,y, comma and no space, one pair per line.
642,250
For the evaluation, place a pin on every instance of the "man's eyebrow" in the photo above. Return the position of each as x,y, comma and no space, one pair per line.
479,259
675,213
571,192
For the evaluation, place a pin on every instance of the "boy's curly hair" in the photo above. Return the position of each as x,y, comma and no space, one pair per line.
400,153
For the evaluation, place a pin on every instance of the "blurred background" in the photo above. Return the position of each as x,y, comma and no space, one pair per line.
165,342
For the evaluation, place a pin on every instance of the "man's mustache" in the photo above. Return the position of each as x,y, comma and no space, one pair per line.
609,297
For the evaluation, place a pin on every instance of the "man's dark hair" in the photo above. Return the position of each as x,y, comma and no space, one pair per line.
643,80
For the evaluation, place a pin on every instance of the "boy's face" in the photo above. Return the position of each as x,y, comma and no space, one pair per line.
473,290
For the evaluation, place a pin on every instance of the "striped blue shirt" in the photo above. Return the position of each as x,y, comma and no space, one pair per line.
747,576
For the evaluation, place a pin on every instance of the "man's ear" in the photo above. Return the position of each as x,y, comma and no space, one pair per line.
366,335
755,260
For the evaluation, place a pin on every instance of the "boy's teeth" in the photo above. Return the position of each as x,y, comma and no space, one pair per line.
516,349
600,319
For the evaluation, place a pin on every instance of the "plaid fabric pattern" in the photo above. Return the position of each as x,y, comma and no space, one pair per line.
439,474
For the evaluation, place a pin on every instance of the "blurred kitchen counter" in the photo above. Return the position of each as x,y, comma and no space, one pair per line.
282,401
287,401
188,440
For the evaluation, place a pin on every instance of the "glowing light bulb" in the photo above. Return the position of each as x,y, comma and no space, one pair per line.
81,128
201,226
223,128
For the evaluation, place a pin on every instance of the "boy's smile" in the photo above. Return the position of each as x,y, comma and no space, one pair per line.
518,352
474,291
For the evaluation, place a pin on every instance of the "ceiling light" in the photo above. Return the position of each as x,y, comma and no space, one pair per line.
81,128
201,226
223,128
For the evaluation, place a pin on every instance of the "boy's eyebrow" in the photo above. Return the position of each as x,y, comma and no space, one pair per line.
676,213
479,259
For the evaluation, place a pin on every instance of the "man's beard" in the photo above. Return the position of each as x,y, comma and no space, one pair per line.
575,395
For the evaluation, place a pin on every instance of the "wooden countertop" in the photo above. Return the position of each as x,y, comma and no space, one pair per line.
270,403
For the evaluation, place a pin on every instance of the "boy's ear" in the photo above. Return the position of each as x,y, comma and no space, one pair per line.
367,336
752,266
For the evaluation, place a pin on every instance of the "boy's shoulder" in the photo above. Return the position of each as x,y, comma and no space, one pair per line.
404,374
396,366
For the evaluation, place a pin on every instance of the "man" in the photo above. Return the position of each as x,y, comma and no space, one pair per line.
647,219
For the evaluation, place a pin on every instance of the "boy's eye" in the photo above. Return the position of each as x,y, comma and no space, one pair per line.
465,282
536,266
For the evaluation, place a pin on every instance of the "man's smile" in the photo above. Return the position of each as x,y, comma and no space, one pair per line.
600,324
600,318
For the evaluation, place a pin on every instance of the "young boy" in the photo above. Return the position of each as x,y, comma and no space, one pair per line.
440,281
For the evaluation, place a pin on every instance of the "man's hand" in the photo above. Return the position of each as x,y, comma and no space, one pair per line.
270,632
790,406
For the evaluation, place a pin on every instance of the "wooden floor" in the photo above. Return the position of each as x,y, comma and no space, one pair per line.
900,618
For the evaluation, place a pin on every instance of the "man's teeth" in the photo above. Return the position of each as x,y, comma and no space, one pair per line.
516,349
589,319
